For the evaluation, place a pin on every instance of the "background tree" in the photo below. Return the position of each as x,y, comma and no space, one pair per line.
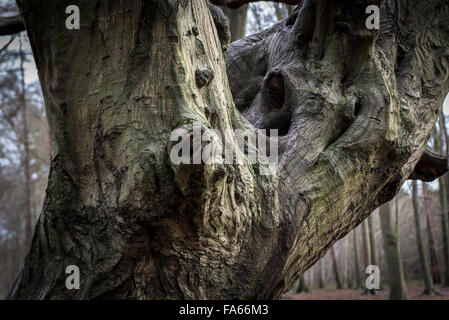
357,270
237,19
426,273
434,263
397,286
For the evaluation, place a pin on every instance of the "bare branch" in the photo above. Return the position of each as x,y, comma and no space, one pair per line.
11,25
430,166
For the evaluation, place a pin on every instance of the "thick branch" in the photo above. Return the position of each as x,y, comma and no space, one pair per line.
430,167
11,25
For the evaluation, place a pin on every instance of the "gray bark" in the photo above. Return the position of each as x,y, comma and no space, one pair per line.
354,107
398,288
425,269
434,263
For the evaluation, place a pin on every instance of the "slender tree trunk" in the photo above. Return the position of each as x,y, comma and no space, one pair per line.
336,269
302,285
238,20
357,270
345,263
445,228
428,282
398,289
321,274
26,153
396,216
442,136
367,251
366,245
372,241
434,262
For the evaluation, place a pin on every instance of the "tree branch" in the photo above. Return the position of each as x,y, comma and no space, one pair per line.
430,166
11,25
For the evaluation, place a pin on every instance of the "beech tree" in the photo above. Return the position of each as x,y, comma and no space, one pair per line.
354,108
396,278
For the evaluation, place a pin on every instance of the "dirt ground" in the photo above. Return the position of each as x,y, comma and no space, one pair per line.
414,292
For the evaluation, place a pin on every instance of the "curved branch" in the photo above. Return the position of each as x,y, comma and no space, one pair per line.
11,25
430,167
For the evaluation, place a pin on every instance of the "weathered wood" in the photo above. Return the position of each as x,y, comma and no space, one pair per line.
354,109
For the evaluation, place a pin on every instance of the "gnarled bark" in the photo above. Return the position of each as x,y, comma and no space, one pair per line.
354,109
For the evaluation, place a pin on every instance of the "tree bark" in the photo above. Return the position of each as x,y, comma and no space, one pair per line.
354,109
237,20
398,288
434,263
427,277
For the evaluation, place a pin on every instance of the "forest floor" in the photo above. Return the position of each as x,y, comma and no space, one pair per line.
414,292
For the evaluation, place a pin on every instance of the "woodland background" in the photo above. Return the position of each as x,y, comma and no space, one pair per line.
24,159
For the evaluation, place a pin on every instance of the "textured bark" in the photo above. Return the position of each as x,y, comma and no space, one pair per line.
425,269
354,107
396,278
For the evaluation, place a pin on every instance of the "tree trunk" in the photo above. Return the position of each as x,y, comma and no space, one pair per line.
428,282
26,152
398,288
367,255
442,136
357,270
365,245
336,269
444,229
302,285
321,274
237,19
354,109
434,263
372,241
345,263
